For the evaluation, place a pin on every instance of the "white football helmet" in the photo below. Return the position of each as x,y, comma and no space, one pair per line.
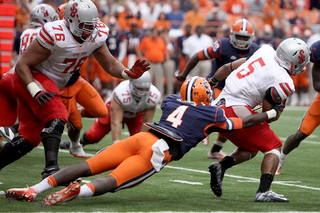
140,86
293,55
81,17
241,34
42,14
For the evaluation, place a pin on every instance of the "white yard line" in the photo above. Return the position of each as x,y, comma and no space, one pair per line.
285,183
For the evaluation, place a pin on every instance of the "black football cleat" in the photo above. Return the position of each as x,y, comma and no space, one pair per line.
216,180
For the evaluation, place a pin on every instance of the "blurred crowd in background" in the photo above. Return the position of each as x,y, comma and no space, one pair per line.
174,21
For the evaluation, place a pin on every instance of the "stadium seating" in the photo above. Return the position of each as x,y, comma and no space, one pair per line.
7,17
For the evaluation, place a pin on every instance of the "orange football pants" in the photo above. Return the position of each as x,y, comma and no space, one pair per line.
86,95
129,159
311,119
300,80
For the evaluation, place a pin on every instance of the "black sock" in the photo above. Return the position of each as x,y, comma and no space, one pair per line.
216,148
265,182
226,163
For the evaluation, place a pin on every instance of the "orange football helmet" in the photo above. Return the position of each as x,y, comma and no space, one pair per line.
196,89
241,34
60,10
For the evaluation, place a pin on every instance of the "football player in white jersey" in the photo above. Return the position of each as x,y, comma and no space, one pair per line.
39,15
133,102
46,66
264,79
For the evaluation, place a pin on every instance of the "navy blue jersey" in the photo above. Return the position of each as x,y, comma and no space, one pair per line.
113,42
315,53
194,123
133,41
223,52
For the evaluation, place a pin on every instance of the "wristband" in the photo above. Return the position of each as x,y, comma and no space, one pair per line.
33,88
271,113
125,75
214,80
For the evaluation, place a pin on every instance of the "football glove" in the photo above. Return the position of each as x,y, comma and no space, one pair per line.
42,96
279,108
138,69
213,81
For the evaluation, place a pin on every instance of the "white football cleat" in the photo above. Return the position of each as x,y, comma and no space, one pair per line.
216,155
7,133
77,151
270,196
205,141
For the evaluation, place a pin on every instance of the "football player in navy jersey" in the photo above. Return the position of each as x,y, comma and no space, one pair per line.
132,40
138,157
224,50
311,119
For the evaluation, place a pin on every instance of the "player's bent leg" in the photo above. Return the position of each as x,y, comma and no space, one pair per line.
51,136
215,152
292,142
14,150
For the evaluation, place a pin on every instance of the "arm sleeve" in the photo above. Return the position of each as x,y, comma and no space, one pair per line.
273,96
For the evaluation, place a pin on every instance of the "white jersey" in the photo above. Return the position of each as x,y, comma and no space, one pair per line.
122,95
67,55
27,37
248,84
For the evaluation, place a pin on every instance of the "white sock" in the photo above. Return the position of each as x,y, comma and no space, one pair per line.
85,191
44,185
283,157
75,143
219,143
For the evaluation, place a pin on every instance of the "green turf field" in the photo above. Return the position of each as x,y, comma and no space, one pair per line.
184,185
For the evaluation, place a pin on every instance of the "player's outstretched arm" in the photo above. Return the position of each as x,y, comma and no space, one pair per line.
108,62
190,65
225,70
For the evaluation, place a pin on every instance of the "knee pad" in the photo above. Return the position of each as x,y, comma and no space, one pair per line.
53,129
14,150
274,151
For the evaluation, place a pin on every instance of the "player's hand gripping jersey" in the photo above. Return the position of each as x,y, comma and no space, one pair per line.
67,55
247,85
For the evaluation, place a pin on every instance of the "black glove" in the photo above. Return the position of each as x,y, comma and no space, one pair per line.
42,96
279,108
